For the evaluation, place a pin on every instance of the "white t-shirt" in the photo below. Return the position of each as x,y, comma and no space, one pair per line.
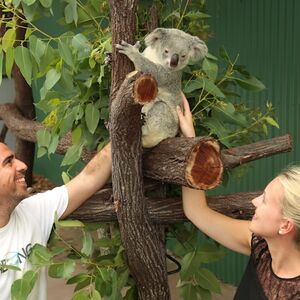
30,223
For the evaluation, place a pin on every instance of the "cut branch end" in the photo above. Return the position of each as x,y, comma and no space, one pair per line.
204,166
145,89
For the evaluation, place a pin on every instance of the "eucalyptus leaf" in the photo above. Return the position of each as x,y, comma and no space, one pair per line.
81,45
46,3
43,138
70,223
80,296
92,117
87,244
40,255
37,48
189,265
20,289
78,278
65,52
62,270
8,39
52,78
251,83
23,61
207,280
71,14
28,2
72,155
210,68
9,61
188,292
1,65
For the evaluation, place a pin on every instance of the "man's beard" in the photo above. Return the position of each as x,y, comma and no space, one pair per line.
20,195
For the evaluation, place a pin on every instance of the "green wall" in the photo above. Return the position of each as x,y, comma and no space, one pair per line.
265,34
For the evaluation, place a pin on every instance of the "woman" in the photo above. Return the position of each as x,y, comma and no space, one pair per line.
271,238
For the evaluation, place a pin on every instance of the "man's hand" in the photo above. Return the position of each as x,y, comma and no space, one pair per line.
185,118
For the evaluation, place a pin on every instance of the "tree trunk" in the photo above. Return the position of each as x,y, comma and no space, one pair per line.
100,207
142,239
24,102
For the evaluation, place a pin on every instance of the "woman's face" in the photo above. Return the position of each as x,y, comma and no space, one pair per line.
268,213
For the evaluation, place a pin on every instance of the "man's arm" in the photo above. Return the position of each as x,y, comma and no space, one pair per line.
233,234
89,180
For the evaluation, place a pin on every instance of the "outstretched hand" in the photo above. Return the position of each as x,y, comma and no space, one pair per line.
185,118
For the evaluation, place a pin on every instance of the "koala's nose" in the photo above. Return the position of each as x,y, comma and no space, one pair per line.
174,60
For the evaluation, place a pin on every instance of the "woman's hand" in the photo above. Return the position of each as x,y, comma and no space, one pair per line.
185,118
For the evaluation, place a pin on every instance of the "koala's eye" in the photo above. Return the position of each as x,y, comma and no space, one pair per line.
166,51
183,56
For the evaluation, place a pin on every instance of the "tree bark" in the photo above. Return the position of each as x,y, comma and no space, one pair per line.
142,239
236,156
100,207
193,162
24,101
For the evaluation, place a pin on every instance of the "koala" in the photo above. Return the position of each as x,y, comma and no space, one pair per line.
167,52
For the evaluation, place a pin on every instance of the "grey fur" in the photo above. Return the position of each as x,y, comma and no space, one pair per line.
168,51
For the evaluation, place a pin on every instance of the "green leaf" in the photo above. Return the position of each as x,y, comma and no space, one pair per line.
9,61
16,3
62,270
251,83
40,255
226,112
209,252
8,39
207,280
80,296
92,117
65,177
65,52
23,61
96,295
43,138
217,127
28,2
87,244
193,85
78,278
20,289
76,134
70,223
81,45
210,68
46,3
31,277
72,155
204,294
189,265
37,48
1,64
52,78
71,14
188,292
271,121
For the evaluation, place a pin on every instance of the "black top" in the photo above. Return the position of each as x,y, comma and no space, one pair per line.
259,282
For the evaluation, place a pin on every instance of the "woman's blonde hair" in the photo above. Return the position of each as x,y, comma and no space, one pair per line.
290,180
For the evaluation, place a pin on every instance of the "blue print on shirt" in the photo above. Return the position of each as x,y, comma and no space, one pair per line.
15,258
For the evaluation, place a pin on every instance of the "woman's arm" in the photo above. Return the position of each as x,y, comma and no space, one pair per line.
233,234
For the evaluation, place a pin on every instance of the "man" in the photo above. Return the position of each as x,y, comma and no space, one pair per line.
25,221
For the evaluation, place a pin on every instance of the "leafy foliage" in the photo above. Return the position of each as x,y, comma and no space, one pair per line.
72,76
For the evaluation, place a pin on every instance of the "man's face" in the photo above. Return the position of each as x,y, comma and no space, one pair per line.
12,177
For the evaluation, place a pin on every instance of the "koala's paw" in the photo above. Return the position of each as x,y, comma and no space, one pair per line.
127,49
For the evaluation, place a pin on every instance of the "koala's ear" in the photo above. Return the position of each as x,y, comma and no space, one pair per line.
198,49
154,36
